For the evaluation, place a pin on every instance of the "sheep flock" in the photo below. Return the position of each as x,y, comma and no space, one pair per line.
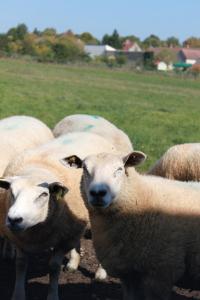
59,186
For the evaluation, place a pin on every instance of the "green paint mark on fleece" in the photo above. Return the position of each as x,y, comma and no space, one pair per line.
94,117
67,141
11,127
88,127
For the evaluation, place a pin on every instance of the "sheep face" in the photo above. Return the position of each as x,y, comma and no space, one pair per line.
102,179
103,175
29,202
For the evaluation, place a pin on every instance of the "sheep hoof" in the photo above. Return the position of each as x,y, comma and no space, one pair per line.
71,267
100,274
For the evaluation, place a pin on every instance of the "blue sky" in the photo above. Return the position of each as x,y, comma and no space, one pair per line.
180,18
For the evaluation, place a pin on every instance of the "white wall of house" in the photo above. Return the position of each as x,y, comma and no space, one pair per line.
190,61
97,50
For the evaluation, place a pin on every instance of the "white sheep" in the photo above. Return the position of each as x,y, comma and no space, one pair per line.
180,162
97,125
18,133
145,228
43,206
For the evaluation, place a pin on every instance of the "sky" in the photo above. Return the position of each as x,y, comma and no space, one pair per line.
165,18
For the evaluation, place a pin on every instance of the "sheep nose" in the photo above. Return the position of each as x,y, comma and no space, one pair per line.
12,222
99,193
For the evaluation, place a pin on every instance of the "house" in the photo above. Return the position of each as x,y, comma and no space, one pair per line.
189,56
98,50
129,46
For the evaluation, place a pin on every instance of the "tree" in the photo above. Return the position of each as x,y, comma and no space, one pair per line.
192,42
172,42
166,55
152,41
49,31
37,32
113,40
3,42
88,38
18,33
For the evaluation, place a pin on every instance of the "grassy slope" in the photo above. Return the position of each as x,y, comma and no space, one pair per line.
155,110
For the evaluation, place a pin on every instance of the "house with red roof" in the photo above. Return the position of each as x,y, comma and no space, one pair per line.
130,46
189,56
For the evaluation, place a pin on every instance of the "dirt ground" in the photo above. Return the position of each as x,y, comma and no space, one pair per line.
73,286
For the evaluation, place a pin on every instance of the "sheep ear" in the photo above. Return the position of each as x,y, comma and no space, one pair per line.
58,188
134,158
4,184
72,162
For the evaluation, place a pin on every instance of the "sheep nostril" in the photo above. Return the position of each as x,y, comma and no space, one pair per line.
102,193
14,221
93,193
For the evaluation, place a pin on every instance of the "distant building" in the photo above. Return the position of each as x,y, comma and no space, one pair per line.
162,66
98,50
189,56
130,46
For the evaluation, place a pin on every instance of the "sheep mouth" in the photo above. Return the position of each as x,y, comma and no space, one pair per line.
97,203
15,228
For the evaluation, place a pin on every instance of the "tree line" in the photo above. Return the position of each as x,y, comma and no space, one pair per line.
50,46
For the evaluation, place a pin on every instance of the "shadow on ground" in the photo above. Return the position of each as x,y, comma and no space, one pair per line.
79,285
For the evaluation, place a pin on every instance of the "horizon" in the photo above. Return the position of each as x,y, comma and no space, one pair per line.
140,19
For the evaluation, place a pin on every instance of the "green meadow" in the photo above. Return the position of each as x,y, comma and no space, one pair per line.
155,110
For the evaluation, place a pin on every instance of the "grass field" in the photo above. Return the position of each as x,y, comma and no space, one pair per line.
155,110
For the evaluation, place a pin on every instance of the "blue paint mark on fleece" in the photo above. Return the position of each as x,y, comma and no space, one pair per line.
88,127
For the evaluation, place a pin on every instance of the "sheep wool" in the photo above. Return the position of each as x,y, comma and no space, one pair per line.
180,162
97,125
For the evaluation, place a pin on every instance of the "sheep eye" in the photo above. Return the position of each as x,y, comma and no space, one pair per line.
118,171
44,194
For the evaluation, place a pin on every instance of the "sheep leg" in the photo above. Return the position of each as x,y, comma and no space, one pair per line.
74,259
8,249
156,289
131,287
21,268
100,273
54,271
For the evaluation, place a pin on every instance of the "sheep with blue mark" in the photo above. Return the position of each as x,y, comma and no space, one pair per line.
43,206
97,125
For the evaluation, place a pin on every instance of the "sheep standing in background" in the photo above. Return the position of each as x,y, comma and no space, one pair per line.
180,162
145,228
97,125
19,133
43,207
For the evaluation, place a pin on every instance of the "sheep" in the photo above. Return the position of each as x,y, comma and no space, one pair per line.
95,124
43,207
18,133
180,162
145,228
